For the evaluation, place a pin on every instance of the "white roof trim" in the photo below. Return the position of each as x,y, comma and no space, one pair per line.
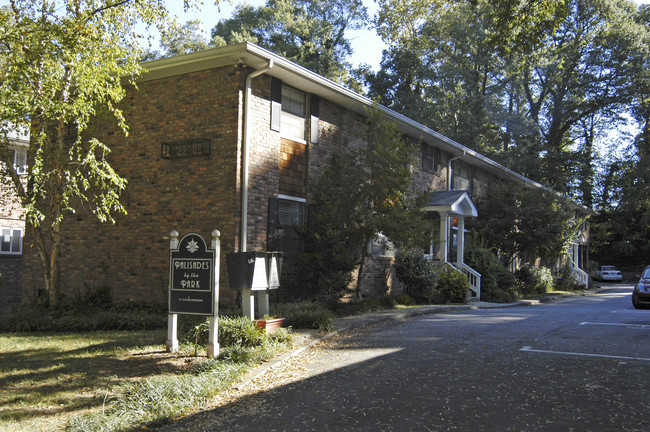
462,205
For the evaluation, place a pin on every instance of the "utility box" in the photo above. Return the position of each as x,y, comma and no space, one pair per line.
248,271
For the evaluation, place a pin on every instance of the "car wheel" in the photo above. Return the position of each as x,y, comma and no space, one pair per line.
635,302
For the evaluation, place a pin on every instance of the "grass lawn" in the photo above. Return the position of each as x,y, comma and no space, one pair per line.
46,379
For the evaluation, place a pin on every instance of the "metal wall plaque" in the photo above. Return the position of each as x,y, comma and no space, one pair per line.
191,269
185,148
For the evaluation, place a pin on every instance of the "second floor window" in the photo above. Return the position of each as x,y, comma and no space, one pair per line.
462,176
292,122
428,160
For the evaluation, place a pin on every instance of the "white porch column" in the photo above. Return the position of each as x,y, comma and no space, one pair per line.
460,246
444,236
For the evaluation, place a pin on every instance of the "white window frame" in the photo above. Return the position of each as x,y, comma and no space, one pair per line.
293,116
460,179
13,231
21,168
428,154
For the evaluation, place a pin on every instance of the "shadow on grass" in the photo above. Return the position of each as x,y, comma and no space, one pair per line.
45,382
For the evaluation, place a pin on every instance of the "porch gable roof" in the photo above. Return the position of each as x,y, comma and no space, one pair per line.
453,202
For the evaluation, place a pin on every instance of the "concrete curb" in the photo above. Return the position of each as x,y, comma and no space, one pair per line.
358,321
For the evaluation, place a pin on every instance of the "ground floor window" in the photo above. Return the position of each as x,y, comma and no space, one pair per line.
11,241
285,214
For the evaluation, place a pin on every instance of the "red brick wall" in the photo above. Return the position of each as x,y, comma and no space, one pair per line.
195,194
10,281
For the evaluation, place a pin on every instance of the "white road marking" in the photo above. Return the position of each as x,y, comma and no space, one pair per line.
637,326
530,349
632,311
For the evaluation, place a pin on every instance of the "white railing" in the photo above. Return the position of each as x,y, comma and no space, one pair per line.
473,277
581,276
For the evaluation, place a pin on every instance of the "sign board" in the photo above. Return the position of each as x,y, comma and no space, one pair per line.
191,276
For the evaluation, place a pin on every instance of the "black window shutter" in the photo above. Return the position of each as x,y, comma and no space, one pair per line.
437,160
276,103
312,209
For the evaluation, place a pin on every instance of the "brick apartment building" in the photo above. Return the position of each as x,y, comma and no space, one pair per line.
235,131
12,227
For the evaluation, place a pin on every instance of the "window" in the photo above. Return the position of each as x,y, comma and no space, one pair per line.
462,174
428,158
381,246
289,111
19,160
285,213
292,118
290,213
11,241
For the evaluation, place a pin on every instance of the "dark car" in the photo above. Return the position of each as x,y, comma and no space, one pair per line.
641,294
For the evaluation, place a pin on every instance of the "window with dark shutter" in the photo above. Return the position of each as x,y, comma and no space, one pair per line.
462,176
288,111
285,213
428,159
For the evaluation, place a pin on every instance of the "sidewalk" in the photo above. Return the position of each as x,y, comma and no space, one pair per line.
306,338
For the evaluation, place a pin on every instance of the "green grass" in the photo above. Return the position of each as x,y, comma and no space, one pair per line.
47,378
111,380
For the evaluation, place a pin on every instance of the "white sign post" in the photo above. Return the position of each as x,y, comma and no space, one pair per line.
213,337
193,285
172,318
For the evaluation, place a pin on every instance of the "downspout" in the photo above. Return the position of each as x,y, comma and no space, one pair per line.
449,169
243,239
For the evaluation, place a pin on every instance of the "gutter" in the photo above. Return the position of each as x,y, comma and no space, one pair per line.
243,238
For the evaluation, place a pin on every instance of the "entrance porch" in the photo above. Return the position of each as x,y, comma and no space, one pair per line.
453,207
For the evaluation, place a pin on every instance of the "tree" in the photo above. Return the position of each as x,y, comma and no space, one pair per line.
311,33
179,40
529,84
365,191
63,63
525,223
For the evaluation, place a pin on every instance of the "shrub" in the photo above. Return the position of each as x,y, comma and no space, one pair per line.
497,282
566,281
305,315
36,317
453,286
417,274
404,299
239,331
534,280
